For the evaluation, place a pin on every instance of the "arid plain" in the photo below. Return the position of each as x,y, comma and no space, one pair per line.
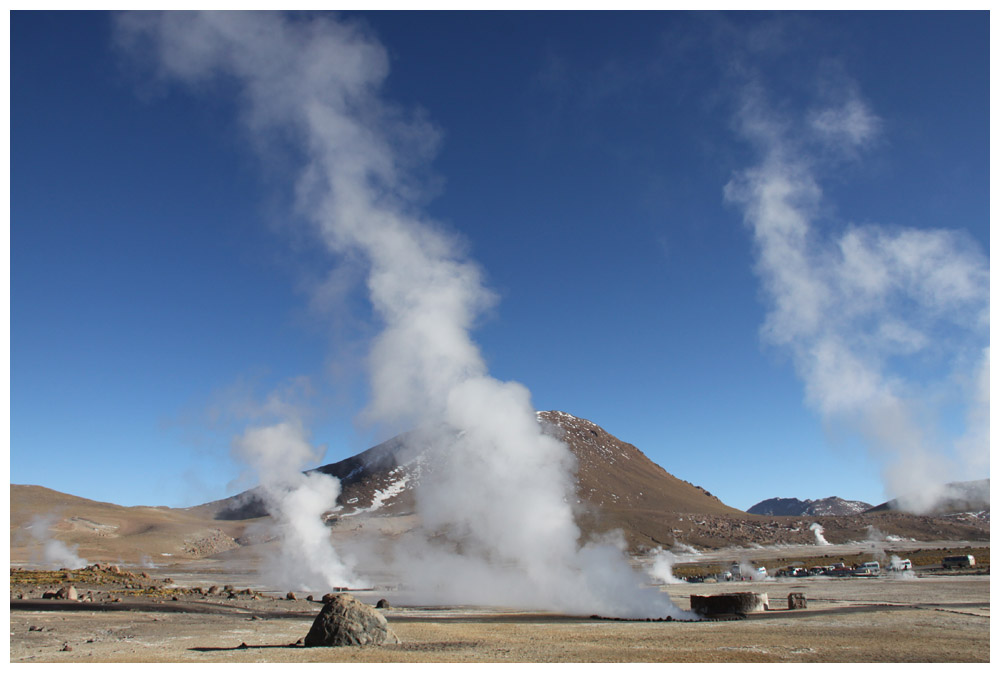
927,616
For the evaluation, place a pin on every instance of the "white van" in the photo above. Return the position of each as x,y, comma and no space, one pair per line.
868,568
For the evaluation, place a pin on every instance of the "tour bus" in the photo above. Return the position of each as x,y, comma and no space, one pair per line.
966,561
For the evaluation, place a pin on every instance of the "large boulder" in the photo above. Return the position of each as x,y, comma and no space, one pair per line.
68,593
344,620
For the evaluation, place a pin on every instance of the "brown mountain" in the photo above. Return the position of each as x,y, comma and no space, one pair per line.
618,487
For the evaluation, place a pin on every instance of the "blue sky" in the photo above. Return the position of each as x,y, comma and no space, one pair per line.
595,166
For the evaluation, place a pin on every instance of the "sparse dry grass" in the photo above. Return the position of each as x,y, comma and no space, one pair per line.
932,619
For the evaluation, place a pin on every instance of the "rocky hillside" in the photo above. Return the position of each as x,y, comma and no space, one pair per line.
618,487
832,506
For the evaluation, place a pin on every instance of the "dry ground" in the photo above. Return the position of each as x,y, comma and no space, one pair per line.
926,619
933,618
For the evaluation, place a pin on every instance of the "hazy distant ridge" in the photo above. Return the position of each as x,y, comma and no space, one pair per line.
961,496
832,506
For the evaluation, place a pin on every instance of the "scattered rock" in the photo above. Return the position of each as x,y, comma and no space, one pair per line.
243,646
309,597
213,590
34,628
290,596
68,593
67,648
383,604
328,597
796,601
345,621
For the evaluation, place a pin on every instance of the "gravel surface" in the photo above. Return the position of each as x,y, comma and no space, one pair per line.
921,619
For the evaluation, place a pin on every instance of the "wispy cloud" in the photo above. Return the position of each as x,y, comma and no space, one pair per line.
871,314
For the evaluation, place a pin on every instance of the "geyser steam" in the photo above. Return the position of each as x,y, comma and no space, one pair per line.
296,501
662,567
818,532
56,554
887,327
495,498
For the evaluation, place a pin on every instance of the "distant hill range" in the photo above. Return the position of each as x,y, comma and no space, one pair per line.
617,488
832,506
956,497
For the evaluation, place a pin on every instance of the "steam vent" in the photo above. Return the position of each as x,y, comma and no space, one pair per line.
729,604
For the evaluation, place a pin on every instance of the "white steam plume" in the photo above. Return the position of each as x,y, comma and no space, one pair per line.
887,327
898,571
818,532
296,502
56,554
499,489
662,567
752,572
875,541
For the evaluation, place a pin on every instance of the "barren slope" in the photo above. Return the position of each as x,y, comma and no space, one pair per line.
103,531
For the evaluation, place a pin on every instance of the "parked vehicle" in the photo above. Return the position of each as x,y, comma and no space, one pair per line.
867,569
966,561
901,565
838,570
